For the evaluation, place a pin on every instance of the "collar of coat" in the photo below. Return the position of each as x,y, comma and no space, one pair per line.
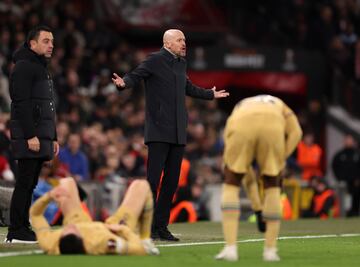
169,55
25,53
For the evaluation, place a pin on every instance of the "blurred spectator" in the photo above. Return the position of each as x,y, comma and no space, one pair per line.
189,203
346,166
5,143
75,159
196,137
324,28
324,203
5,170
63,130
309,157
4,88
347,35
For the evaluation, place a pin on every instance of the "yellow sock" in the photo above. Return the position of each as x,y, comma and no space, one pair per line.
252,190
272,215
272,233
230,207
146,218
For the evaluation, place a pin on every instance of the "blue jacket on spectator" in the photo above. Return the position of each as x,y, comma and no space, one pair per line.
77,163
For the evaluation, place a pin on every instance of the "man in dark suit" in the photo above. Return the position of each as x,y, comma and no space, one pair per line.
166,85
346,167
32,125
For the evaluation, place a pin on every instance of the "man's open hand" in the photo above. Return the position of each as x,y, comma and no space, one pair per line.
118,81
219,94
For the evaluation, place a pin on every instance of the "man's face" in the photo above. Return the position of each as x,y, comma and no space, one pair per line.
44,44
349,141
74,143
177,44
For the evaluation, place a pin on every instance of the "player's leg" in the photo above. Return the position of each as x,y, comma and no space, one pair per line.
238,155
137,208
146,216
135,200
272,216
270,156
251,187
70,199
230,208
69,202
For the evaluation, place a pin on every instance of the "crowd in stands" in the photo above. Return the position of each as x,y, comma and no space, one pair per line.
329,26
100,130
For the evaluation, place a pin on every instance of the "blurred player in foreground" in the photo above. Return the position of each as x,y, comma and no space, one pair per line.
265,129
81,235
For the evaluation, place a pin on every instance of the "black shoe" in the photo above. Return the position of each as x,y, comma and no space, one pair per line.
261,224
166,235
22,235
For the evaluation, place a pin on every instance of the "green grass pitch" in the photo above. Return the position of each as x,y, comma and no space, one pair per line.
328,246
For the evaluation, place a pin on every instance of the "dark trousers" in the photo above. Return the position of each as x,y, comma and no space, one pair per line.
163,157
26,181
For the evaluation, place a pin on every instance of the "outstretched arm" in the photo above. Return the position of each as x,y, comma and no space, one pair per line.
143,71
197,92
219,94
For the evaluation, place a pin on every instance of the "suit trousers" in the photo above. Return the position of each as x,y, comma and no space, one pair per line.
26,181
166,158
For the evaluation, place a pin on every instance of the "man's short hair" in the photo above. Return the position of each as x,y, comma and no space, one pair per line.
35,32
71,244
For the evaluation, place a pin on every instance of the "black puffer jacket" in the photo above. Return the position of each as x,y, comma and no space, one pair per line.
33,106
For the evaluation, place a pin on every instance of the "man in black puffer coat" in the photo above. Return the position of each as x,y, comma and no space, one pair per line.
32,125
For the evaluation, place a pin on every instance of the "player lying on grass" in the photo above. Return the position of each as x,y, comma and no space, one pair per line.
81,235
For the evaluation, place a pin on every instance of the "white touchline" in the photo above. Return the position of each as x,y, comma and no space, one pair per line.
20,253
256,240
31,252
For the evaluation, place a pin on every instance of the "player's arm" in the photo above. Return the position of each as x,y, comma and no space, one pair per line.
37,210
292,130
47,238
121,230
130,243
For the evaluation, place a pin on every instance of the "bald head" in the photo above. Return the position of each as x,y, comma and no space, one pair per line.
171,34
174,40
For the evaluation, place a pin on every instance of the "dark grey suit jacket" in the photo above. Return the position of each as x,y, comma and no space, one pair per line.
166,85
